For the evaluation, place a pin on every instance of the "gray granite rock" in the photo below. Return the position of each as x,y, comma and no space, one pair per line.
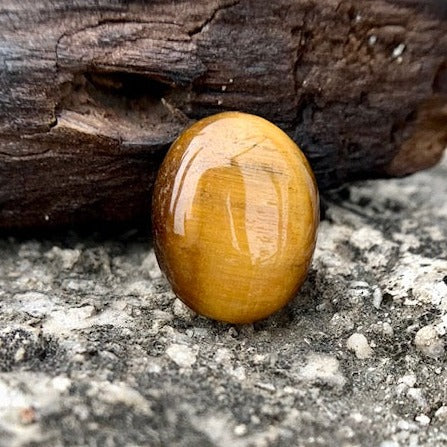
96,351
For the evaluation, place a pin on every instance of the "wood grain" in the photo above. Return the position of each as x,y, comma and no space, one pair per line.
93,93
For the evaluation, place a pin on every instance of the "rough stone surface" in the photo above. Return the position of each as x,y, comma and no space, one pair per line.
96,351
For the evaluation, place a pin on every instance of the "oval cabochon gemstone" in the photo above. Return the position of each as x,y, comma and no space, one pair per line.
235,213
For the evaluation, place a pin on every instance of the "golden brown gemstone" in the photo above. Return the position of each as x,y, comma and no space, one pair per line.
235,214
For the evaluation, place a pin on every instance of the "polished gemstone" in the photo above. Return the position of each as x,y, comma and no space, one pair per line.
235,214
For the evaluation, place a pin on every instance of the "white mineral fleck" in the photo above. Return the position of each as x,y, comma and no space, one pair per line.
323,368
222,355
20,354
423,419
388,443
240,430
61,383
398,50
182,355
365,238
372,40
409,380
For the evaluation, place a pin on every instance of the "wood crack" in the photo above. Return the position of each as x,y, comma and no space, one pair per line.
210,19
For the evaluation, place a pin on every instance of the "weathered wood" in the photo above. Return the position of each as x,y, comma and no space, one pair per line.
92,93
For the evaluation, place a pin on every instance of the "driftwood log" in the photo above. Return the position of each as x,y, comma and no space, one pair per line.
93,92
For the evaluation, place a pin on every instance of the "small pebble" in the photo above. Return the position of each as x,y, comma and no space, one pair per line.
441,414
61,384
323,368
240,430
358,418
266,386
19,355
222,355
387,330
408,379
238,373
406,426
422,419
181,355
427,341
358,343
417,396
377,298
182,311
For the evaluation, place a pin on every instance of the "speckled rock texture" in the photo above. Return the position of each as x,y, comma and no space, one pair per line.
96,351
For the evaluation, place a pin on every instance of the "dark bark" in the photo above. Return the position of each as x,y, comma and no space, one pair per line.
92,93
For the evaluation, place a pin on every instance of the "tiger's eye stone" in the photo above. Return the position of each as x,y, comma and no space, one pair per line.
235,214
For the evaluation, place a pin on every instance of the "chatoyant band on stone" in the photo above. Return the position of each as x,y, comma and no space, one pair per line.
235,214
